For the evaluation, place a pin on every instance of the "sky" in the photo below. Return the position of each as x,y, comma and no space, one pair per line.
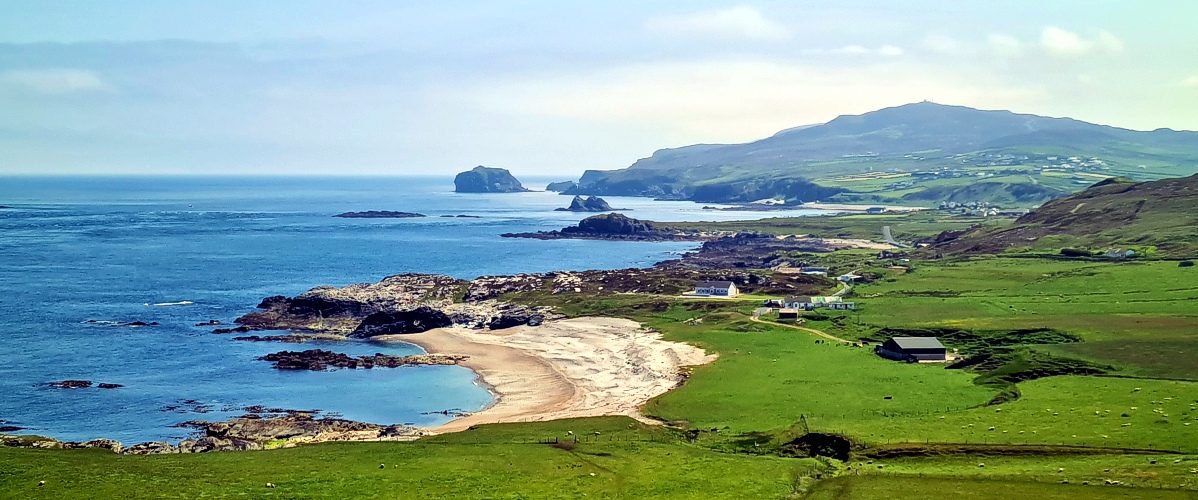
546,88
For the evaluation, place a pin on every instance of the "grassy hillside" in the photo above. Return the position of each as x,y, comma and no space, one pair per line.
926,152
1114,213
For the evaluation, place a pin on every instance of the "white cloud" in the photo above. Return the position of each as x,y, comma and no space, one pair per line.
737,22
735,100
1190,82
1005,45
1063,43
941,44
858,50
851,49
55,81
1109,42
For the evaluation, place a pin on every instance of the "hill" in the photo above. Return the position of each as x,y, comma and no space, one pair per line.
1115,213
916,152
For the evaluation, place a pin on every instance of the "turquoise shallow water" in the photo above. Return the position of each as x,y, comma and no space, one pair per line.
108,249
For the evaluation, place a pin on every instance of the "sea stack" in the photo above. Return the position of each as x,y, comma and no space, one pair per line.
589,204
482,179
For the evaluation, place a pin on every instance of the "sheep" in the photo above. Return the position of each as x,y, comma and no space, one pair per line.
41,483
270,485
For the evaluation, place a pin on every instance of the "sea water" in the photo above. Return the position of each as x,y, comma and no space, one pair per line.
181,251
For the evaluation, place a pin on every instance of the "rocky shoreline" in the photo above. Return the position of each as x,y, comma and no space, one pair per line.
248,432
321,360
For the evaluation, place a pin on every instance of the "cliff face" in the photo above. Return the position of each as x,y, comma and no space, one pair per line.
482,179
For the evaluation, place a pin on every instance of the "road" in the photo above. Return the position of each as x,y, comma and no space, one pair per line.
890,238
808,330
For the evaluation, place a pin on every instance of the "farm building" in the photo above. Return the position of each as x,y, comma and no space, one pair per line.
913,350
788,314
812,303
816,271
716,289
876,210
803,303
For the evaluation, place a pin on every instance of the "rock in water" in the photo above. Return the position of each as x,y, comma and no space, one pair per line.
71,384
589,204
482,179
379,214
558,187
611,224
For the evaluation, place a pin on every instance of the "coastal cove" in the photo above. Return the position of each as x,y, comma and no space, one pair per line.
184,251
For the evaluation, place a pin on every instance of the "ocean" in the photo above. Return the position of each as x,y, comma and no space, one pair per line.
79,256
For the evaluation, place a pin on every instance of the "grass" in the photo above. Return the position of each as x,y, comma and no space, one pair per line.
1136,316
905,227
767,379
1002,487
771,381
626,459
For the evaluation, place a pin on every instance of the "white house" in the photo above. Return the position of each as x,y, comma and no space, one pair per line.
812,303
717,289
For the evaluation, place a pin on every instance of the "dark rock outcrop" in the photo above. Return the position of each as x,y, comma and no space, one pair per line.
417,320
152,448
614,226
589,204
212,443
106,385
520,317
379,214
121,323
321,360
301,428
558,187
341,310
71,384
107,444
482,179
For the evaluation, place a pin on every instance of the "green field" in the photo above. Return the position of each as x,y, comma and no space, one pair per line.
729,427
904,226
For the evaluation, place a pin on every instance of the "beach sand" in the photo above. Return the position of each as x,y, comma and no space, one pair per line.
581,367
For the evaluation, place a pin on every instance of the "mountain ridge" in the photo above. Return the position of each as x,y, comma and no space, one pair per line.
907,138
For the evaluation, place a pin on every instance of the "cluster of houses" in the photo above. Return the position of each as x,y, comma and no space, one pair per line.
909,349
812,303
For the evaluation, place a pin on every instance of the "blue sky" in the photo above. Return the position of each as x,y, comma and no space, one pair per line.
547,88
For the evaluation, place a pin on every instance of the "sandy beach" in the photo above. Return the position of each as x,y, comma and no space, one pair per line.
581,367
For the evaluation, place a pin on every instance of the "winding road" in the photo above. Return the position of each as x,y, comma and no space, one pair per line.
890,238
808,330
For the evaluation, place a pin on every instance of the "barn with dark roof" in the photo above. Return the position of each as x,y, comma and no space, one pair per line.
913,350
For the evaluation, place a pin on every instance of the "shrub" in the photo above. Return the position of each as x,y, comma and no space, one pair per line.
1185,263
1075,252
